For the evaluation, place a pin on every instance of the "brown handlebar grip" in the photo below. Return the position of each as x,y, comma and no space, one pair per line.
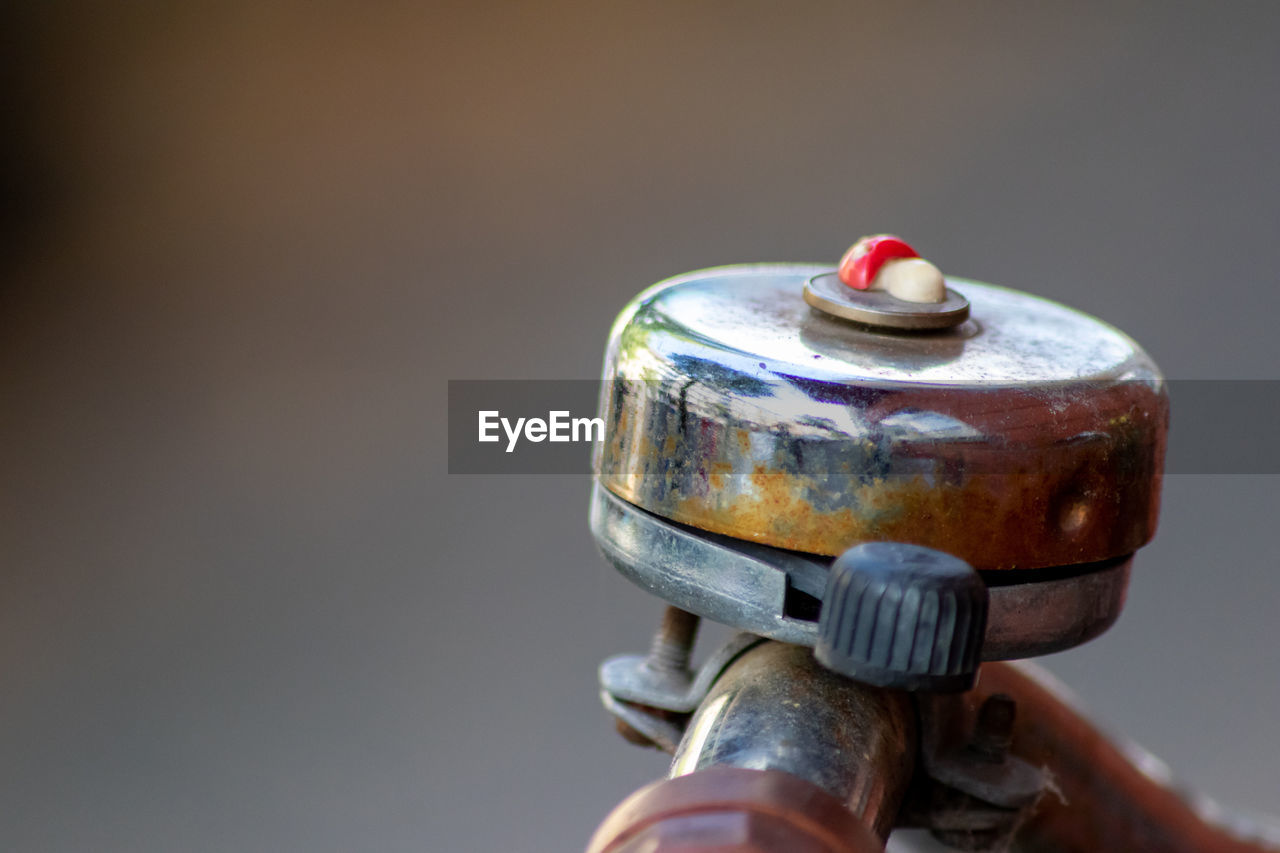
1101,799
733,810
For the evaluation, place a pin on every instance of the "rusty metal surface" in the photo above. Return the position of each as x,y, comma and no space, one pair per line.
1100,798
1031,435
972,793
1041,615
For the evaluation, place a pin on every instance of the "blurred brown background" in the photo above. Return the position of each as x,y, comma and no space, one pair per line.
242,605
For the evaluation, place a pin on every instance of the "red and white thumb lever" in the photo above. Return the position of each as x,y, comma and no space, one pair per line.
888,263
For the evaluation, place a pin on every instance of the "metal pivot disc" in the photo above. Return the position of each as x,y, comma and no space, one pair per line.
876,308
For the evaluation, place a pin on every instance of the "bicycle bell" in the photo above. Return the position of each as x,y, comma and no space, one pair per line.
907,471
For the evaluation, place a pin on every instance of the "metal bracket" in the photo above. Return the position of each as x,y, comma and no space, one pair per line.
654,701
974,792
778,594
633,679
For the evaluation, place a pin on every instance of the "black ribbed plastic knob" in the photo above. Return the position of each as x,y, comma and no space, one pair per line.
903,616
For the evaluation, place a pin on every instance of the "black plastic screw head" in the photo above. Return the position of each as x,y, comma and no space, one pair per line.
903,616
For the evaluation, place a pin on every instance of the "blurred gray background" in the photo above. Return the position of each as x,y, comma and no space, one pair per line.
242,604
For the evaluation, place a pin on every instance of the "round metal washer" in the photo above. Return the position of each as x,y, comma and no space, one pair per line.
828,293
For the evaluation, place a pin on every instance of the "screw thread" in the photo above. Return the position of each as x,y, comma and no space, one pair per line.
672,644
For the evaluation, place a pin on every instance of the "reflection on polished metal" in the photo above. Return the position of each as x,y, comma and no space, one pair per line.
1030,435
776,593
876,308
776,708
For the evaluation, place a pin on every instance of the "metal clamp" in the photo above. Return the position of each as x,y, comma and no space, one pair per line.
654,694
